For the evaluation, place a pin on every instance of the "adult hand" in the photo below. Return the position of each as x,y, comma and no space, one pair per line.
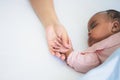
53,33
46,12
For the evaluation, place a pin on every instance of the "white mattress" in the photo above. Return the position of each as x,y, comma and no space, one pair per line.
24,53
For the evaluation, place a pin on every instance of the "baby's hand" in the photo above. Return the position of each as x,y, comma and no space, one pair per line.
60,48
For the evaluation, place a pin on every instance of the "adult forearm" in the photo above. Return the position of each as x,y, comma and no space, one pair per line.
45,11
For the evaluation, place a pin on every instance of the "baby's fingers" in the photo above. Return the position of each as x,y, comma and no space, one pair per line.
61,50
63,57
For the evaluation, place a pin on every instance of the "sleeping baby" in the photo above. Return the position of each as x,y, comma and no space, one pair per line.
104,39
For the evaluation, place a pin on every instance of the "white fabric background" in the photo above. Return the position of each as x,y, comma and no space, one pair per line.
24,53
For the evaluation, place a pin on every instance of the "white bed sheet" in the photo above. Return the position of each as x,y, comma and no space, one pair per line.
24,53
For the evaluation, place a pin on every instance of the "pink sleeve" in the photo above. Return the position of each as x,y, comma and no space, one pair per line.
83,62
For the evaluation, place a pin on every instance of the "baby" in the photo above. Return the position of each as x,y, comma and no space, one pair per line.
104,39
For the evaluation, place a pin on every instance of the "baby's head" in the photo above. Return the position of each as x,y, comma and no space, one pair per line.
102,25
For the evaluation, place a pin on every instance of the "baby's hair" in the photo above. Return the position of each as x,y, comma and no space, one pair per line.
113,14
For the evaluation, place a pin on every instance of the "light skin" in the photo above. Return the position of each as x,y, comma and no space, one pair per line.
53,28
100,26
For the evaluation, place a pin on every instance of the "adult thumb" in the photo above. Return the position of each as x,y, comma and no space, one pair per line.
65,40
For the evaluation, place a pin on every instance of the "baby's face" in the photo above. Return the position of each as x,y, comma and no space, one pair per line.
99,28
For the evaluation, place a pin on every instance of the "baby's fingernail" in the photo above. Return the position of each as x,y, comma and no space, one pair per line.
63,58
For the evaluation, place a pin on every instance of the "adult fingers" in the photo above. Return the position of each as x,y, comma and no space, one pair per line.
57,54
65,40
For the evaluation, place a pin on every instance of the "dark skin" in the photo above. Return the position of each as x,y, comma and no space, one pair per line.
100,26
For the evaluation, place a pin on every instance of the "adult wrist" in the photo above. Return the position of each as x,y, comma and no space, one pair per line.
55,24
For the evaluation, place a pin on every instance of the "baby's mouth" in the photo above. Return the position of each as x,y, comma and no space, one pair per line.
91,41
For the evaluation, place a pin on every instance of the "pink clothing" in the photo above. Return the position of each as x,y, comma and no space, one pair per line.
94,55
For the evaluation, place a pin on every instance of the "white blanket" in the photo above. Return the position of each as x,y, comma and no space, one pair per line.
109,70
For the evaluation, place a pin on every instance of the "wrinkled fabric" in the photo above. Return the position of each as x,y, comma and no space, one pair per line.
94,55
109,70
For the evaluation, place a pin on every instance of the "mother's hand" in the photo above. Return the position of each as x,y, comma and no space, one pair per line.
53,33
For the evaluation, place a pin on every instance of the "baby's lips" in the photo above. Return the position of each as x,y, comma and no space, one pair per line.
83,53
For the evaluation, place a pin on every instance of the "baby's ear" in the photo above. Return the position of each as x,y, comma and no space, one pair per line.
115,27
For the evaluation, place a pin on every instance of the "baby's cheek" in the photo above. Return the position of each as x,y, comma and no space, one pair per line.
97,36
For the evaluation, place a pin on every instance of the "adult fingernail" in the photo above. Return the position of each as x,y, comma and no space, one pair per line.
57,54
66,45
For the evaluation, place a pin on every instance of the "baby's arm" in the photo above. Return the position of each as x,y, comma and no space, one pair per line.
83,62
